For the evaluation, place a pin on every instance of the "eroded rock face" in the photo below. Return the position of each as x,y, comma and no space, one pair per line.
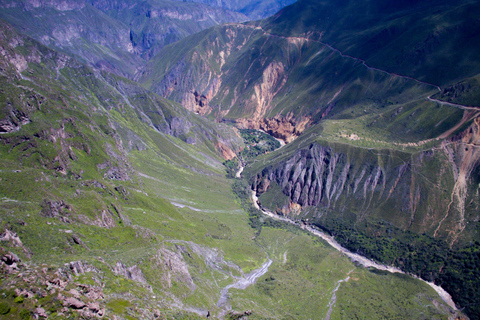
12,237
174,268
318,175
286,128
14,122
272,81
203,91
133,273
200,104
74,303
431,191
80,267
10,258
464,157
52,209
226,152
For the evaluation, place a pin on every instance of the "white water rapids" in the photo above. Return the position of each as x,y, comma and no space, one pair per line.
353,256
239,172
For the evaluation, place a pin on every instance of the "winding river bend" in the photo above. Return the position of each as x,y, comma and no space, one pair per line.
353,256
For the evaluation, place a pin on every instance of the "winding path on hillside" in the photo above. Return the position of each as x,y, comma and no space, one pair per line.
470,113
455,105
363,62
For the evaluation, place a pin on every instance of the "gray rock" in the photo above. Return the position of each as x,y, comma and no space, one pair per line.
133,273
10,258
41,312
74,303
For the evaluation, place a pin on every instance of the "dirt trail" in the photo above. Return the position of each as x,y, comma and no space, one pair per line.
453,104
363,62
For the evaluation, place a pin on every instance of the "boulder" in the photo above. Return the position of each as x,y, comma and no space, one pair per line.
74,303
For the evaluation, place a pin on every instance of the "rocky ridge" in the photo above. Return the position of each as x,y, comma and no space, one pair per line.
254,10
333,180
155,24
40,288
115,36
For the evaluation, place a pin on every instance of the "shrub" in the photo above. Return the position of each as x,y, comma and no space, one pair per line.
25,315
4,308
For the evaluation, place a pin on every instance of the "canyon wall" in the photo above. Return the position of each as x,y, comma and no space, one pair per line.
433,191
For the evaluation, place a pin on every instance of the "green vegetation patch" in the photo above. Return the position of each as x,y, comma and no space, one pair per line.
456,270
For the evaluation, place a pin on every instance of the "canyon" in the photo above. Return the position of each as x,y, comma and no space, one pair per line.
133,135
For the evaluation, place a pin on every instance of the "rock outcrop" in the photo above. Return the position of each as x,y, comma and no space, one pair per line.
41,289
286,128
319,176
133,273
54,209
226,152
431,191
174,268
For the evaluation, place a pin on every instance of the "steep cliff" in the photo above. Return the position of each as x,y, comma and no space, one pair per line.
155,24
242,74
417,210
114,36
114,200
253,9
319,61
433,191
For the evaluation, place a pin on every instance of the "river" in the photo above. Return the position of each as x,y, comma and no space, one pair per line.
239,172
353,256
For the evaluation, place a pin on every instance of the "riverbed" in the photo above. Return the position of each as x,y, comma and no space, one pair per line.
353,256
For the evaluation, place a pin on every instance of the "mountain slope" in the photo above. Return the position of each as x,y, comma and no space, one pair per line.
253,9
432,41
279,84
377,102
155,24
114,203
118,43
294,69
305,63
76,28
